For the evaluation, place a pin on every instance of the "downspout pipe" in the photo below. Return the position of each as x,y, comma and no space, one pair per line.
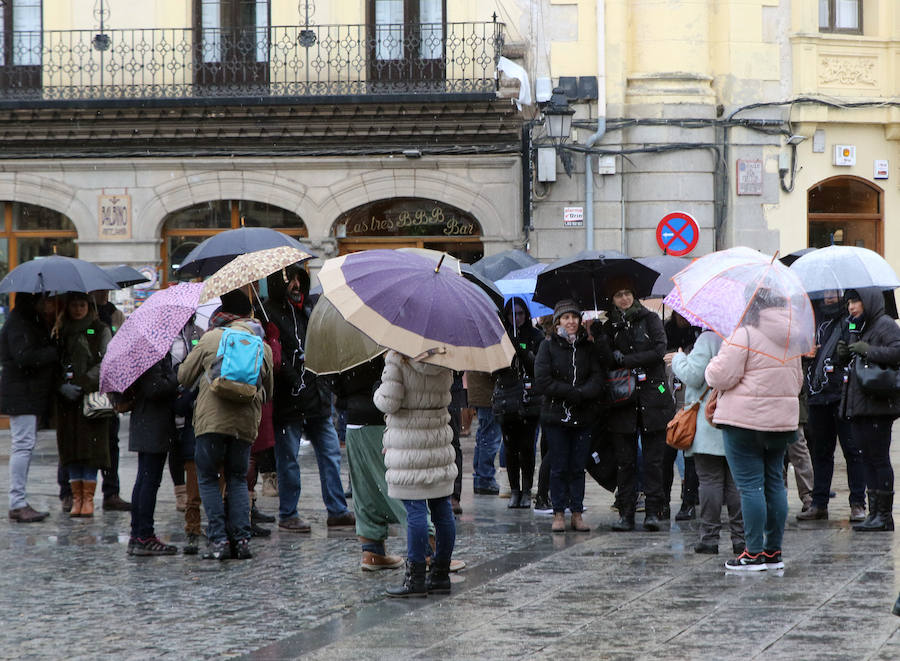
601,127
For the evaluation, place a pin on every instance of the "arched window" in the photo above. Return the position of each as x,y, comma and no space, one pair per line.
410,222
185,228
846,211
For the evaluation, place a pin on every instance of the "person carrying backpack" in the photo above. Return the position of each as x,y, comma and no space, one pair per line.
233,368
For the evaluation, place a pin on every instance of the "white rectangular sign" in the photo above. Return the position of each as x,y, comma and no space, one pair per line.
573,216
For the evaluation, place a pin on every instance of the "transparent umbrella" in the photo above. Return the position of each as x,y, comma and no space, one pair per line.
843,267
729,289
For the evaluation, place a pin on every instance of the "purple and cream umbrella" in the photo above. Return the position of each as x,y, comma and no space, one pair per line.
411,304
146,336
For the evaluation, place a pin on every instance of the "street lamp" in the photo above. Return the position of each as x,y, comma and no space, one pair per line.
558,121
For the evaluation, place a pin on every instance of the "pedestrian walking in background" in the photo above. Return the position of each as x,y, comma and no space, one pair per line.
185,442
637,341
874,337
113,317
302,405
83,442
515,404
30,362
716,485
152,434
568,374
758,410
825,425
421,465
225,429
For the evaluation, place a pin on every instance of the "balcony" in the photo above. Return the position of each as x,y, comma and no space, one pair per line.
259,65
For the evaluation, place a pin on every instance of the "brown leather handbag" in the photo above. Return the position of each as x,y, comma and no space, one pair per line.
682,428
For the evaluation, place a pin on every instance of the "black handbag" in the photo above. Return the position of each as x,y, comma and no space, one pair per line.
876,379
621,385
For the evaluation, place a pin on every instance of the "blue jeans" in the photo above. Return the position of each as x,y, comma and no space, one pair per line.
233,455
568,450
143,496
23,432
417,528
321,433
487,443
756,460
82,472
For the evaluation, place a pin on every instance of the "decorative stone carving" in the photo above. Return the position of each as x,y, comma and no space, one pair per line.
847,71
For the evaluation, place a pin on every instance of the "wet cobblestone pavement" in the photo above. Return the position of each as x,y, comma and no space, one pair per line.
68,589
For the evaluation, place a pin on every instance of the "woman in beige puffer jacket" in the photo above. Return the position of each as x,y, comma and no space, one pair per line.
421,464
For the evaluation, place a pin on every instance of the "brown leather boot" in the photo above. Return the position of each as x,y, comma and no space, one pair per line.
559,522
578,523
77,498
87,498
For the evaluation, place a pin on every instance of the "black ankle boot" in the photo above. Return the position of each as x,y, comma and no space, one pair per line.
651,521
624,524
515,495
883,518
872,497
413,584
438,580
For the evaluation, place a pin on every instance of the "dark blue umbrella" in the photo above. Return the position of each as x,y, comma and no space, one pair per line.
216,251
56,274
126,276
497,266
584,277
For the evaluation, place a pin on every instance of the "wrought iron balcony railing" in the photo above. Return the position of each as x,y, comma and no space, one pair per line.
286,61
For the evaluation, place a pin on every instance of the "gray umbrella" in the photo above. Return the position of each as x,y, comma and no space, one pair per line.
667,265
216,251
126,276
497,266
56,274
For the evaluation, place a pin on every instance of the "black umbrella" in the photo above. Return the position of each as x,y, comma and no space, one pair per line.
56,274
584,277
126,276
790,258
486,285
216,251
667,265
497,266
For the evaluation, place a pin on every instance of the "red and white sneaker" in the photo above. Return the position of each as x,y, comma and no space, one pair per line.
747,561
773,560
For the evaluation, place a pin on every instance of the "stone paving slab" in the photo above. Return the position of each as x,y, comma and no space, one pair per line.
68,588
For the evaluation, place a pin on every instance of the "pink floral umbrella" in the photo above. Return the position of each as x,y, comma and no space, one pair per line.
146,336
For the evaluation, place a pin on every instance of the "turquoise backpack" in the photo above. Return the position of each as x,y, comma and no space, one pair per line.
234,374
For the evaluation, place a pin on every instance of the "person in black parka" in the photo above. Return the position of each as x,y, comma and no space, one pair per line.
152,434
515,406
874,337
568,373
30,361
638,343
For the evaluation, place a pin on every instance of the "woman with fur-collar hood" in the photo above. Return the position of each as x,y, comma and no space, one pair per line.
421,464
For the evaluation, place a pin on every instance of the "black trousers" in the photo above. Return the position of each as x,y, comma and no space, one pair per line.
653,446
111,475
518,438
456,427
691,485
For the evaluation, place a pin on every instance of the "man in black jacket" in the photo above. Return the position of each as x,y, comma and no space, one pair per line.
29,360
302,403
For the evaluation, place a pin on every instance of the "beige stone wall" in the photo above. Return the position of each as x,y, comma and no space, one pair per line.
316,189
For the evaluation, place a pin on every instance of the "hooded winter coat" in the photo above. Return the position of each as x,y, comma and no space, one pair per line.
882,335
298,392
639,335
418,451
570,378
214,414
757,391
30,361
514,393
690,369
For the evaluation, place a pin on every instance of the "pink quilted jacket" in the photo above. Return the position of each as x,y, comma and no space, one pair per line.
756,391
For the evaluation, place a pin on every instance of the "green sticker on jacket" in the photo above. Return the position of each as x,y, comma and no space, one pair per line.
194,342
661,388
852,326
90,331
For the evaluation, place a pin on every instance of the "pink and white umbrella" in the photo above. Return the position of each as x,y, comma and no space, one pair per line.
146,336
721,291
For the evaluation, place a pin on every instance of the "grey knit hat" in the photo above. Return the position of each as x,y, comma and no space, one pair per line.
564,306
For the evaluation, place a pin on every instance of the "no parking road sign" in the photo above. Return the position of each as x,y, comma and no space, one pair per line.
677,234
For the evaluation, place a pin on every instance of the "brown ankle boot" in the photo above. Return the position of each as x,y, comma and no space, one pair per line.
87,498
77,498
578,523
559,522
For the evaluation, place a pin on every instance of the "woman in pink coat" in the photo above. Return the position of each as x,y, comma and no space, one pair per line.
758,410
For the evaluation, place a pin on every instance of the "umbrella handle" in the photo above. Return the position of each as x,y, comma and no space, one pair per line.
259,300
429,353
